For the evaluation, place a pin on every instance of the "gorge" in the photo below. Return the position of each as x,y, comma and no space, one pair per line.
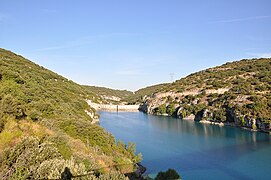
44,113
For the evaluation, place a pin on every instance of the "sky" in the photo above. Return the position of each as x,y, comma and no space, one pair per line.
130,44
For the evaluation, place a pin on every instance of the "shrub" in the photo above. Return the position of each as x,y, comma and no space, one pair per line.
38,160
170,109
254,127
170,174
162,109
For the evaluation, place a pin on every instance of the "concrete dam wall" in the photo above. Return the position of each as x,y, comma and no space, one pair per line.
111,107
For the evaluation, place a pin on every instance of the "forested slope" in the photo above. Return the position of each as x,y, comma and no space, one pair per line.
45,127
140,95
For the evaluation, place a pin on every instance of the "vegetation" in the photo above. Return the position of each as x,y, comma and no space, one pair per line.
44,126
162,109
169,174
140,95
238,92
110,95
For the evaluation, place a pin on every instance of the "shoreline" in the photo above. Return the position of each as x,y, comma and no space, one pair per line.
221,124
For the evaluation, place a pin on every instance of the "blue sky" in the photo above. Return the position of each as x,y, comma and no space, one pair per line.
129,44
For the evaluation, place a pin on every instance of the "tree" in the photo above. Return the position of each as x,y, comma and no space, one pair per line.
162,109
170,109
170,174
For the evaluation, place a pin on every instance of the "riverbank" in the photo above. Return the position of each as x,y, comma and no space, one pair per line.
138,173
232,125
221,124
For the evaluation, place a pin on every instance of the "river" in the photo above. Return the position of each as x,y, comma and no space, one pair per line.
195,150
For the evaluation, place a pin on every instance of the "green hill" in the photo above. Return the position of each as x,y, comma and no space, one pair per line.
46,125
107,95
238,93
139,95
110,95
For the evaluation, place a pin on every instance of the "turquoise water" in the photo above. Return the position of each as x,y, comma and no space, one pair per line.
196,151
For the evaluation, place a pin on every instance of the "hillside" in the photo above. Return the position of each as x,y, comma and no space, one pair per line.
139,95
110,95
113,96
236,93
46,125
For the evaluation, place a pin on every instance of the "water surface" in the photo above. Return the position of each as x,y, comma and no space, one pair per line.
196,151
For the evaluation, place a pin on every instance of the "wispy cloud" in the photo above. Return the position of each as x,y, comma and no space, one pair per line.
240,19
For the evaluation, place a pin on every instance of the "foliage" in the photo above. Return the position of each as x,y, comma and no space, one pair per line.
170,174
170,109
162,109
37,102
140,95
33,159
106,93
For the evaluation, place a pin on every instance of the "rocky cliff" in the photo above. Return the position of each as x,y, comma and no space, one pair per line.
236,93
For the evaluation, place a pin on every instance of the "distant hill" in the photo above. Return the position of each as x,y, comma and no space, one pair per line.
46,125
238,93
114,96
139,95
110,95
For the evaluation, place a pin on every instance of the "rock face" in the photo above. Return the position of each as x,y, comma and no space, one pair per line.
191,92
207,116
114,98
94,116
144,108
204,114
190,117
179,113
237,93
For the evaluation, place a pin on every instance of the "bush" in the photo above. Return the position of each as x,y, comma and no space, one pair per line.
2,124
170,174
12,107
254,127
170,109
38,160
162,109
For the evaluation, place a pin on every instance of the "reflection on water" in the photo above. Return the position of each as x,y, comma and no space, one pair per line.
194,149
199,129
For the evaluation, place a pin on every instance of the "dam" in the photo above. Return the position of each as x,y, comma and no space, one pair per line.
113,107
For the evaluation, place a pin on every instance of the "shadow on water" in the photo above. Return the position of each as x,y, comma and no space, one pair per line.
178,126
